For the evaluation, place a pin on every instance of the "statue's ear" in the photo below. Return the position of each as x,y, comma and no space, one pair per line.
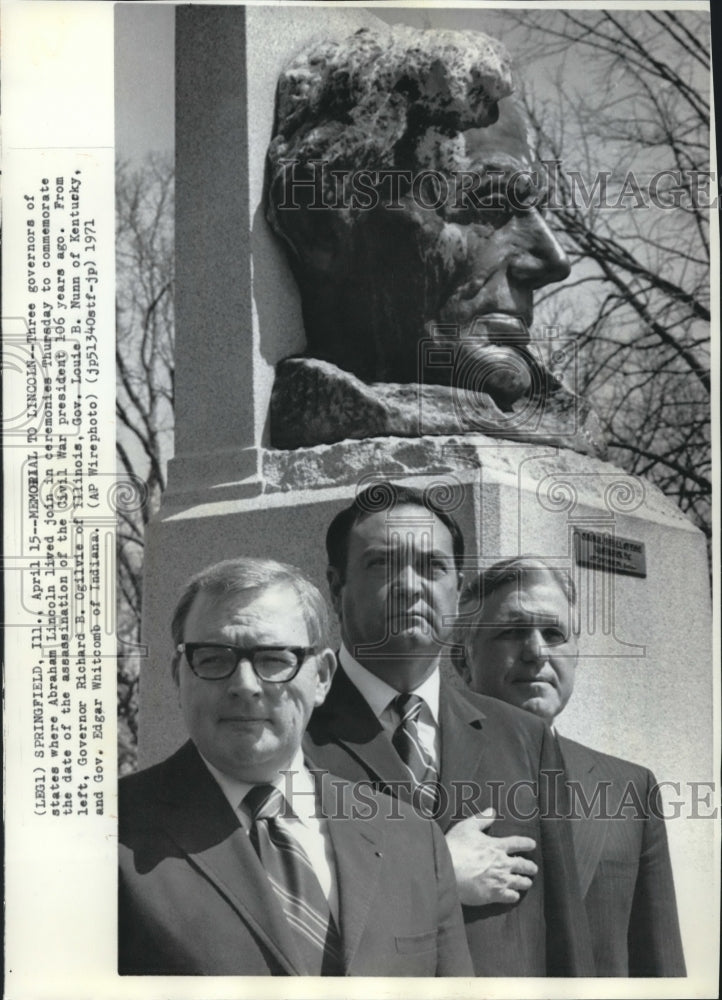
308,217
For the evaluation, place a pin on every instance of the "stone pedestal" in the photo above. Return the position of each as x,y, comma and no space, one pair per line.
644,688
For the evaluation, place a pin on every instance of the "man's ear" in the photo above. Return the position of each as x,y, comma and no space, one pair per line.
335,586
326,669
174,668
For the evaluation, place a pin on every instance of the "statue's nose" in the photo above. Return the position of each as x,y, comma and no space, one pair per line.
540,258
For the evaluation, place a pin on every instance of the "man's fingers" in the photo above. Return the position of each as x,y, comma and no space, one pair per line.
523,866
511,891
513,844
508,896
519,883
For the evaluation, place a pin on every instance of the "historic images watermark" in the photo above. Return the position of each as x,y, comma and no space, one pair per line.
317,185
552,796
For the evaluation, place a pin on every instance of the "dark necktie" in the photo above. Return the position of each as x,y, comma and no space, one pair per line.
295,883
407,742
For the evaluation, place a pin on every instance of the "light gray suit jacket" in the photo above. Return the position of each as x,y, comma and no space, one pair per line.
194,898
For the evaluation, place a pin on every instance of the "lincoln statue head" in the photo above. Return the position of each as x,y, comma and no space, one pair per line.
402,183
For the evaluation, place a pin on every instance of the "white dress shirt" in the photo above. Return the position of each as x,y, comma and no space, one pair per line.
381,695
309,829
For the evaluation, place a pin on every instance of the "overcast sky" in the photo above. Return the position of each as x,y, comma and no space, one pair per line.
144,79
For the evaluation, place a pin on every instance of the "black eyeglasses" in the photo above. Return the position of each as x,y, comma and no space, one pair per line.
274,664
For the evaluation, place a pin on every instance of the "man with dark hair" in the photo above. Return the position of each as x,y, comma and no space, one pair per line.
235,857
521,648
379,497
395,559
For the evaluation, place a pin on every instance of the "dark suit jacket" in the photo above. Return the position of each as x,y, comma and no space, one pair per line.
482,741
624,866
195,900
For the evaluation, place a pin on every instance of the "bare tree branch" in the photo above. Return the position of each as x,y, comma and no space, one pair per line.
144,399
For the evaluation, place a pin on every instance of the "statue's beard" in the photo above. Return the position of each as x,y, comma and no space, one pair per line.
489,356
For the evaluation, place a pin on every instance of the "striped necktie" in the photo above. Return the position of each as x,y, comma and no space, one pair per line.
420,764
295,883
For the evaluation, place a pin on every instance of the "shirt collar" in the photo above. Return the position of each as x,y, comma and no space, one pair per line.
297,786
379,694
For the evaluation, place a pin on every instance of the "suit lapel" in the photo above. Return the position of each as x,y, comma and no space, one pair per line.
588,833
347,718
462,746
203,825
358,851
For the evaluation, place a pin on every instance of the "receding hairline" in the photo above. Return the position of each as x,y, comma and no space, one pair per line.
244,576
216,592
516,572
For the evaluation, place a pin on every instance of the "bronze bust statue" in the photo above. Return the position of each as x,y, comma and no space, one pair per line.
402,183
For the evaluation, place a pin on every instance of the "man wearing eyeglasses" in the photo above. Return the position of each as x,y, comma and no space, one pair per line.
521,648
236,857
